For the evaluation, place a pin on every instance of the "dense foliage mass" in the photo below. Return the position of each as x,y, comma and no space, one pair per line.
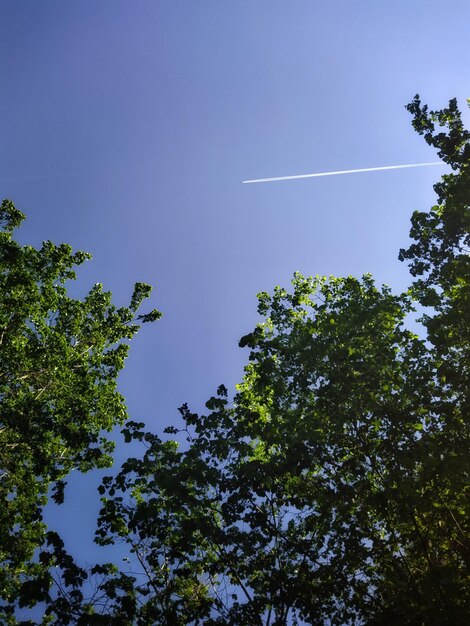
59,359
333,489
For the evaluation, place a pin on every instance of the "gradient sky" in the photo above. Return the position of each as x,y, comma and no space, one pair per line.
127,128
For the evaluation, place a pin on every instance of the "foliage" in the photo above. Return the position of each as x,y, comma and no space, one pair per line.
334,488
321,495
59,360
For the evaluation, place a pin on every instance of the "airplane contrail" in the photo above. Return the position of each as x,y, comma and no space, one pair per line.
365,169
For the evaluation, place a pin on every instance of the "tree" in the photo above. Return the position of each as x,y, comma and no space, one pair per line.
280,500
439,257
59,360
334,489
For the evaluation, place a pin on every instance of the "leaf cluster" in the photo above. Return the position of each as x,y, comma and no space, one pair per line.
59,362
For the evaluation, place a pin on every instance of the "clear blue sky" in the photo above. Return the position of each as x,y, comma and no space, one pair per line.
127,127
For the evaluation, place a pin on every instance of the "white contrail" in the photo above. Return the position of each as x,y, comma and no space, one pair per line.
365,169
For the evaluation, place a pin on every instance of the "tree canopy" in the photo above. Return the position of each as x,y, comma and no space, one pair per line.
59,361
332,489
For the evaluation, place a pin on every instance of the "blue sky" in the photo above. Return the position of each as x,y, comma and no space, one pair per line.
127,128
